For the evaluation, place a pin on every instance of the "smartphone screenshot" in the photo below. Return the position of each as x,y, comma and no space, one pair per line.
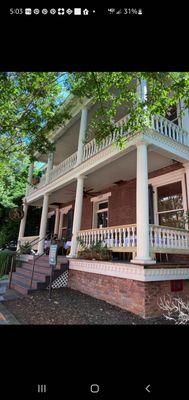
94,201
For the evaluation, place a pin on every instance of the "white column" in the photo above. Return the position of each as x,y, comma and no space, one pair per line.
43,224
184,116
184,119
77,214
142,89
49,166
82,133
142,215
23,223
56,225
186,166
60,225
30,175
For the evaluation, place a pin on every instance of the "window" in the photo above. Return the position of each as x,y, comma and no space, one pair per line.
170,205
100,217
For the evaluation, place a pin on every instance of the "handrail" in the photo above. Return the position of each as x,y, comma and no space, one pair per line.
17,252
33,267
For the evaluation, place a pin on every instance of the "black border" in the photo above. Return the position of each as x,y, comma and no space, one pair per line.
156,42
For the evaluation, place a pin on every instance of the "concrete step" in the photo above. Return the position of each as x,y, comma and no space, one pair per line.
21,278
28,272
24,280
45,264
21,287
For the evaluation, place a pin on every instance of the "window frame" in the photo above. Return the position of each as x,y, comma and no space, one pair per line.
165,179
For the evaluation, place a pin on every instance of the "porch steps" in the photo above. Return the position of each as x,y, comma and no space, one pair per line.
21,278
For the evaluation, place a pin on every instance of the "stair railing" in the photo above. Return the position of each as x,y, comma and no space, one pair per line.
35,258
17,252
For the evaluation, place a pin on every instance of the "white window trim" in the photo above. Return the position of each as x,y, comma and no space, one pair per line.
65,210
50,213
96,211
101,198
161,180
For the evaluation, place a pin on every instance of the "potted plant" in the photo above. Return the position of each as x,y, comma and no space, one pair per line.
36,177
25,248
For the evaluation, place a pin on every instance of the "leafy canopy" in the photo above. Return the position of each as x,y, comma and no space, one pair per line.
31,107
113,90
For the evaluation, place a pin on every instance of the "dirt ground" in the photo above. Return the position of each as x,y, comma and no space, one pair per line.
69,307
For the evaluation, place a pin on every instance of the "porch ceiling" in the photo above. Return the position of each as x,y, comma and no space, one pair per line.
123,168
66,145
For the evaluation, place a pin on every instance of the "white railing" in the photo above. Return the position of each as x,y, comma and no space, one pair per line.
119,236
169,129
125,237
162,237
91,148
158,123
63,167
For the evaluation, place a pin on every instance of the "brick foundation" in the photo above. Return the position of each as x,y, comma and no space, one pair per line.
141,298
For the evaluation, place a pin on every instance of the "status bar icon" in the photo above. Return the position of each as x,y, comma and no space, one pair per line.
111,10
52,11
61,11
77,11
28,11
69,11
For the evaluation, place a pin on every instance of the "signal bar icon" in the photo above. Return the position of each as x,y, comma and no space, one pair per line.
41,388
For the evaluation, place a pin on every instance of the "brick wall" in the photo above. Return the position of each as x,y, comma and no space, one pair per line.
87,214
124,293
122,202
141,298
165,170
155,290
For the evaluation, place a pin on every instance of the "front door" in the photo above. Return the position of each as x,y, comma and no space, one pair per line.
50,224
69,224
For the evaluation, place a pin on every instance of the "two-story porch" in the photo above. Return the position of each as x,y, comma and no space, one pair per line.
133,199
150,173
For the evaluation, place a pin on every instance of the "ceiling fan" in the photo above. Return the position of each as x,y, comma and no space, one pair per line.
87,193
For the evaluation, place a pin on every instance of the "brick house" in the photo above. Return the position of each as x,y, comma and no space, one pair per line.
133,199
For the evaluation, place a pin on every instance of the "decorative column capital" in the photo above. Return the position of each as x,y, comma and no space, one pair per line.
142,141
81,176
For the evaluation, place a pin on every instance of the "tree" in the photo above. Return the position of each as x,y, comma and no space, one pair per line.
30,107
112,90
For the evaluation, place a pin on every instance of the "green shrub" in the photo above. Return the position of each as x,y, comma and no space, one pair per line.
5,262
25,248
97,251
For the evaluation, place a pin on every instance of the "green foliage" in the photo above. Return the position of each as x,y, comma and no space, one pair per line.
97,251
30,107
25,248
5,261
116,90
9,229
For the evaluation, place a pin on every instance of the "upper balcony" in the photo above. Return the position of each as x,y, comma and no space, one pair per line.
161,132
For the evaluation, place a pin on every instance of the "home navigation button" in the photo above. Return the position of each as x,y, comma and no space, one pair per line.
94,388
